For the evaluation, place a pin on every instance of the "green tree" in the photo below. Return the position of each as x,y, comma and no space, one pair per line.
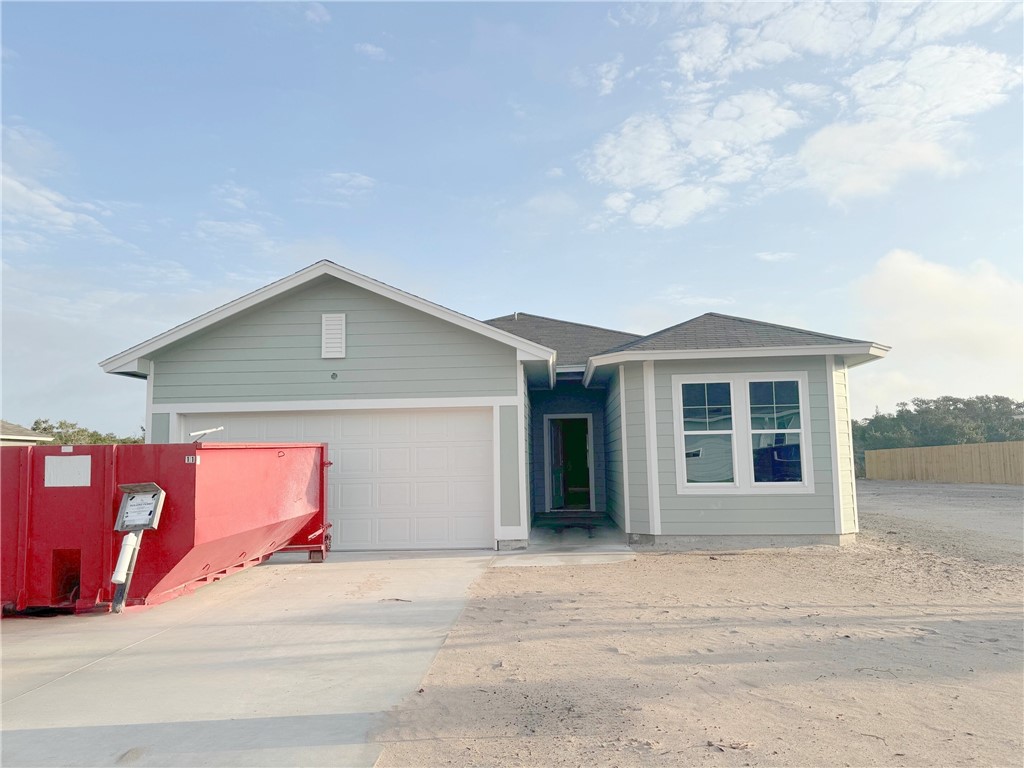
69,433
943,421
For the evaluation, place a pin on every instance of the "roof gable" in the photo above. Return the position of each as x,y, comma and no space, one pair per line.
130,362
9,431
575,342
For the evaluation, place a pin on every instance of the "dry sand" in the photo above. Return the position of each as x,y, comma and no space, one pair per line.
891,652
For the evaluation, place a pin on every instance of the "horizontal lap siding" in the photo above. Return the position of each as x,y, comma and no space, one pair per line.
636,449
273,353
613,452
764,513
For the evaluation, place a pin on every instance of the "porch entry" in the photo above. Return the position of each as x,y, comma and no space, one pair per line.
568,452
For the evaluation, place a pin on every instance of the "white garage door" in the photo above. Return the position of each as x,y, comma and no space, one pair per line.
401,479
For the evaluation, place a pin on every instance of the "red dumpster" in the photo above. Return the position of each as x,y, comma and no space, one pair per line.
227,506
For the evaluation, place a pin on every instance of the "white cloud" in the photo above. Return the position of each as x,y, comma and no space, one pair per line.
676,206
339,188
235,196
317,14
619,202
808,91
608,74
775,256
911,115
371,51
699,50
683,296
642,153
954,331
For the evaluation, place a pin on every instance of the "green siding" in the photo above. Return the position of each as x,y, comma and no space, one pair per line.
613,452
636,449
763,513
272,353
527,426
160,428
508,423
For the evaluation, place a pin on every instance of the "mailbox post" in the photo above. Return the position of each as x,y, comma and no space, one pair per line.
140,510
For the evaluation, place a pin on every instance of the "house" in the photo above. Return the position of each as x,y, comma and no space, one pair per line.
449,432
12,434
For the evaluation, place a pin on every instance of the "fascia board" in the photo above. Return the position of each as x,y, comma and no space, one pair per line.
121,362
867,352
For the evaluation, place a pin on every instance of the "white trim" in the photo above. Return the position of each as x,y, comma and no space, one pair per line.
118,362
743,469
149,402
625,448
837,499
869,350
335,405
591,458
570,368
653,491
524,502
496,468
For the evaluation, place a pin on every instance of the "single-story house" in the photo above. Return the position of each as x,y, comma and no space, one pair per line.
449,432
14,434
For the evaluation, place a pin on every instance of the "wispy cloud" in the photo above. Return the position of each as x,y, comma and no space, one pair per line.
608,75
774,256
371,51
317,13
554,173
338,188
235,196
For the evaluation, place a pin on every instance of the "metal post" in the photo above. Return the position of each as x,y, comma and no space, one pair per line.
121,592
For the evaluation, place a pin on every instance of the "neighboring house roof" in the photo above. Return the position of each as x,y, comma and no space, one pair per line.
9,431
131,361
716,336
574,342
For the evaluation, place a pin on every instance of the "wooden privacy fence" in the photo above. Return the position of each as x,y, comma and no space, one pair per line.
974,463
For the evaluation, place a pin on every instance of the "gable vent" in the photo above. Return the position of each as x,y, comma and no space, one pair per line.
332,335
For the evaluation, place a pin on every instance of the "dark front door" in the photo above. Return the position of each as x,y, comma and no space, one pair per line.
570,464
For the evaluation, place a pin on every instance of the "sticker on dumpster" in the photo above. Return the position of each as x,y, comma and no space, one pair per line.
191,459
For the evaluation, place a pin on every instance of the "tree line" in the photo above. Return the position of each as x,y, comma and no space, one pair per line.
70,433
942,421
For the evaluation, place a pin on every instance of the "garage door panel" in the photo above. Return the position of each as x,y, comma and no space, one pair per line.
394,460
431,494
403,479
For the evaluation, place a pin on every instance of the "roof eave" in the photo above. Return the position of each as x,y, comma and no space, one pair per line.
854,354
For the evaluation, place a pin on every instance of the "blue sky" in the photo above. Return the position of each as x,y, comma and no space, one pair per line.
853,169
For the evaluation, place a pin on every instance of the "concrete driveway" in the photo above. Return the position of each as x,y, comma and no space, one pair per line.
286,664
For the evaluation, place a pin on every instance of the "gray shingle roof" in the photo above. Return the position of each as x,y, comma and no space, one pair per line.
715,331
14,431
574,342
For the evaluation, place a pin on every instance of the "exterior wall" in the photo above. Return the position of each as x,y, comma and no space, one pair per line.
566,398
615,488
272,353
160,429
846,486
508,470
774,514
636,449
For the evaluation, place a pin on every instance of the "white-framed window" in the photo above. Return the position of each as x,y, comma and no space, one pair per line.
742,433
332,335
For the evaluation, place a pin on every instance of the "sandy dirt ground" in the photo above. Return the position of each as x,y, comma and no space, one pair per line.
905,649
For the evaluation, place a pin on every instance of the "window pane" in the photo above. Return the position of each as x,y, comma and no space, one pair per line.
787,417
786,393
719,418
708,458
761,393
718,394
693,394
695,419
762,417
777,458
